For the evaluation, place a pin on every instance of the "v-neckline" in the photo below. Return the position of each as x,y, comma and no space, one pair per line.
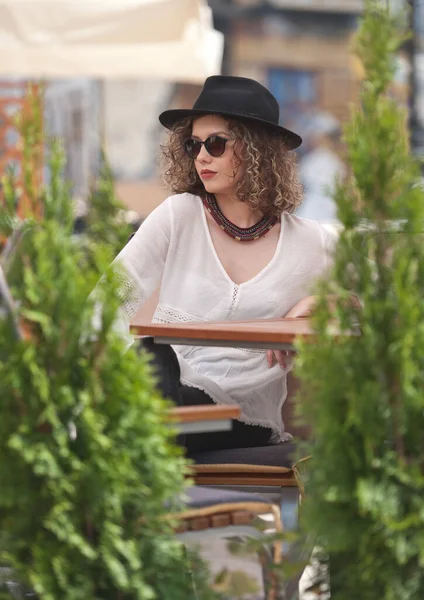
218,260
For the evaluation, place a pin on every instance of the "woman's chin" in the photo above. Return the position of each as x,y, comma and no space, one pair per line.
214,187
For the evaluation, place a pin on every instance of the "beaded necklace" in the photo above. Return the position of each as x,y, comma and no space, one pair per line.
239,234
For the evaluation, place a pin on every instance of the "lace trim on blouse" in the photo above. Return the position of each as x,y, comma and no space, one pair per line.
166,314
129,293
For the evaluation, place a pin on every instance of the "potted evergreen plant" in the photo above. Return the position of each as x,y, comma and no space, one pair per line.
362,391
88,465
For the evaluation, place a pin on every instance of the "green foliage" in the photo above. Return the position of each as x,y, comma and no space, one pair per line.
88,467
104,220
363,393
236,584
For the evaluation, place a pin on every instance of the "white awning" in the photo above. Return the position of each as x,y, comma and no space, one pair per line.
165,39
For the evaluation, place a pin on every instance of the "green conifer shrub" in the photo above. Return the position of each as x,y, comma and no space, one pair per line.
363,392
104,220
88,466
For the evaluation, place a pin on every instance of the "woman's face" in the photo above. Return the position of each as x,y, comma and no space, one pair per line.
220,174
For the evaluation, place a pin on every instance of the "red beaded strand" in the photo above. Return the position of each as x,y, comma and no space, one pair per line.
240,234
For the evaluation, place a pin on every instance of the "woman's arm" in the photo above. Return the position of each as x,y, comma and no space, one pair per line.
141,262
140,266
303,309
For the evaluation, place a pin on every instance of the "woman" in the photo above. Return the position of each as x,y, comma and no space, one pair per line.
226,246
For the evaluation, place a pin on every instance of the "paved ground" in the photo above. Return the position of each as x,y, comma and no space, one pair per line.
219,558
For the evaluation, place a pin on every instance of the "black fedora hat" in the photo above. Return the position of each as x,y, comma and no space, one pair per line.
237,97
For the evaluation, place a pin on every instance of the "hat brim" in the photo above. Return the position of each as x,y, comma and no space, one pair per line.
170,117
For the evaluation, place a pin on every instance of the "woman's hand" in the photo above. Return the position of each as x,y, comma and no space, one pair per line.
304,308
278,356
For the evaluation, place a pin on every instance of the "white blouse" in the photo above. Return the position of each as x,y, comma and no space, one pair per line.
173,247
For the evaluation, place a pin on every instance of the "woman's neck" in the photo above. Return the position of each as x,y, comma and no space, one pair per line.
237,211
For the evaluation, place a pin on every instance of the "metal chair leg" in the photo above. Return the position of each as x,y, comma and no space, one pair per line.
292,551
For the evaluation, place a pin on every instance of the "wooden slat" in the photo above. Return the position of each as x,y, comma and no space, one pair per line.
10,106
182,527
233,479
199,523
4,83
241,517
220,520
11,101
238,517
192,414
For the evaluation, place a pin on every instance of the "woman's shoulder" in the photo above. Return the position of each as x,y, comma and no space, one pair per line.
325,234
299,222
175,209
181,202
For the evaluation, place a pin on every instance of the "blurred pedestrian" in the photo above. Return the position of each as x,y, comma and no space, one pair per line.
320,166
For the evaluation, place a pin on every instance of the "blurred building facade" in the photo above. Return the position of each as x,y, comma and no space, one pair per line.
299,49
72,109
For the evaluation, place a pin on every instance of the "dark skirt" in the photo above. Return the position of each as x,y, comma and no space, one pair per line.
168,375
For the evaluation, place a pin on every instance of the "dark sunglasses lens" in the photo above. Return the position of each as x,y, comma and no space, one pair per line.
215,145
192,148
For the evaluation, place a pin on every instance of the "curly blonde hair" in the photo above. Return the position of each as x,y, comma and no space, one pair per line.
270,183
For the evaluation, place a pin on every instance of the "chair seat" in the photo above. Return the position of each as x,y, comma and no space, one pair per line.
274,455
261,465
209,508
198,498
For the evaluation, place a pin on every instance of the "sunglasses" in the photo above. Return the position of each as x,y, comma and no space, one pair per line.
215,146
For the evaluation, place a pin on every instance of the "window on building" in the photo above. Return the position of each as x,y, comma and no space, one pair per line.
295,91
72,114
74,145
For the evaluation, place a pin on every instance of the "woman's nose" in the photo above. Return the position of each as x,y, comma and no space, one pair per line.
203,155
